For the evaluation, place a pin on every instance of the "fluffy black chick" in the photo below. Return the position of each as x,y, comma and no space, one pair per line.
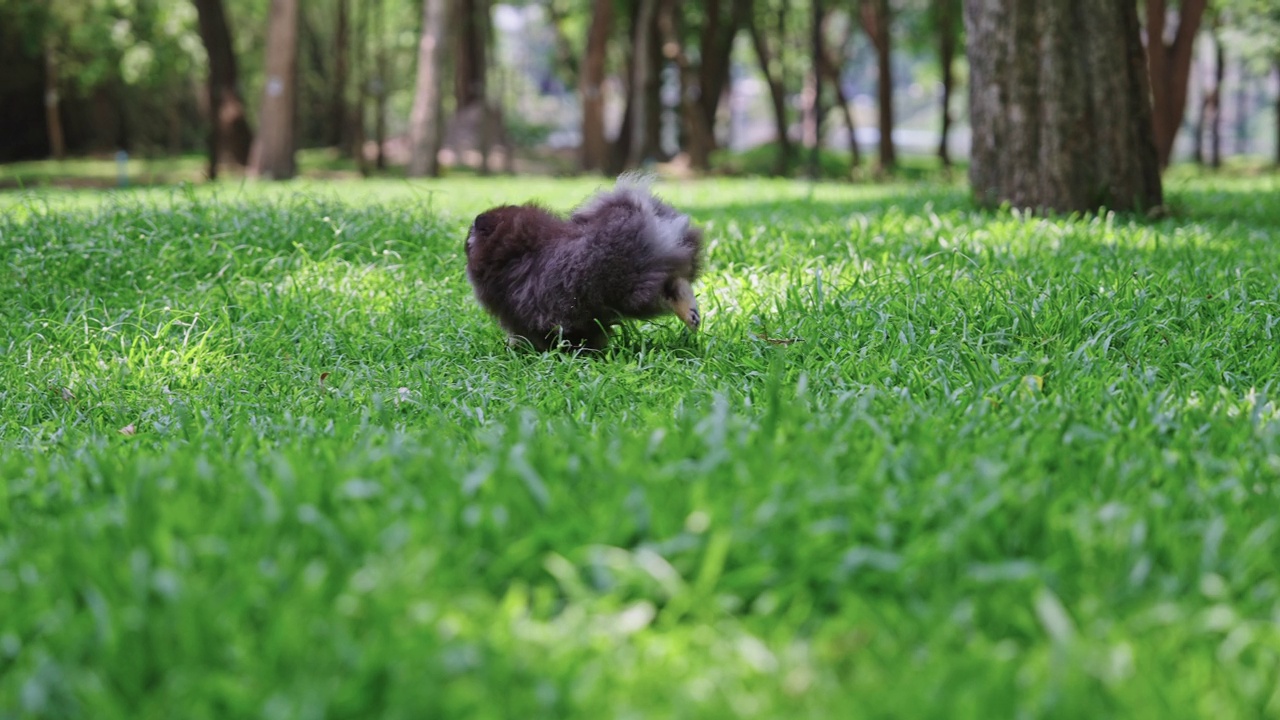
621,254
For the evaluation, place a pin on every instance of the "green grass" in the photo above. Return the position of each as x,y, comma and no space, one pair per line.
991,466
102,171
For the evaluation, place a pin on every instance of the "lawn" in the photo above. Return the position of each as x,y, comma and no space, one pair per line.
262,455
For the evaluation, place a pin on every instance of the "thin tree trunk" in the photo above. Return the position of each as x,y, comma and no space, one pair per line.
1197,145
832,63
230,139
1277,113
360,70
620,148
877,23
491,116
469,60
653,94
173,117
594,145
273,155
716,48
698,138
1169,67
1214,101
832,71
425,118
1060,106
813,133
338,131
947,37
1242,108
776,94
53,104
381,87
639,82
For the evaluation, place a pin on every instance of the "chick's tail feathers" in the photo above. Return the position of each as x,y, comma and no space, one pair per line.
630,214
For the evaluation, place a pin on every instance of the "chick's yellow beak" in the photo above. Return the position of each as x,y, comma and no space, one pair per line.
685,305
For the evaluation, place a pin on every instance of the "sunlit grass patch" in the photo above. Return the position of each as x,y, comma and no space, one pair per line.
264,455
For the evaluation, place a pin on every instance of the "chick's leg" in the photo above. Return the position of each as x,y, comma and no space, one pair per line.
684,304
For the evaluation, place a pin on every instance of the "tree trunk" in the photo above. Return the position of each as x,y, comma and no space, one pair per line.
230,138
1277,113
813,131
381,86
653,95
876,21
1242,107
831,67
338,132
273,155
594,145
777,95
716,48
360,71
1214,101
1169,66
53,104
425,118
469,61
832,72
640,78
698,138
948,28
1060,106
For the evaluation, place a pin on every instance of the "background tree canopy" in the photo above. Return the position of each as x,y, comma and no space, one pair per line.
784,87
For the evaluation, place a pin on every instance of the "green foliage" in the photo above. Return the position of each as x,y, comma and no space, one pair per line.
263,456
760,161
1252,30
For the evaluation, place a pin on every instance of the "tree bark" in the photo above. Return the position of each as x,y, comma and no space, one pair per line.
831,68
653,94
777,95
832,71
948,32
698,138
1243,81
1169,66
640,67
230,138
469,62
876,21
338,132
1214,101
716,48
273,155
425,118
381,86
595,147
1060,106
53,104
813,130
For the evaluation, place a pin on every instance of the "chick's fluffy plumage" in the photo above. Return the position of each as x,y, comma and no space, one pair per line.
622,254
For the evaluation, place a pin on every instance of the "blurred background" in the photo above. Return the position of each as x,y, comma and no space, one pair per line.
104,91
